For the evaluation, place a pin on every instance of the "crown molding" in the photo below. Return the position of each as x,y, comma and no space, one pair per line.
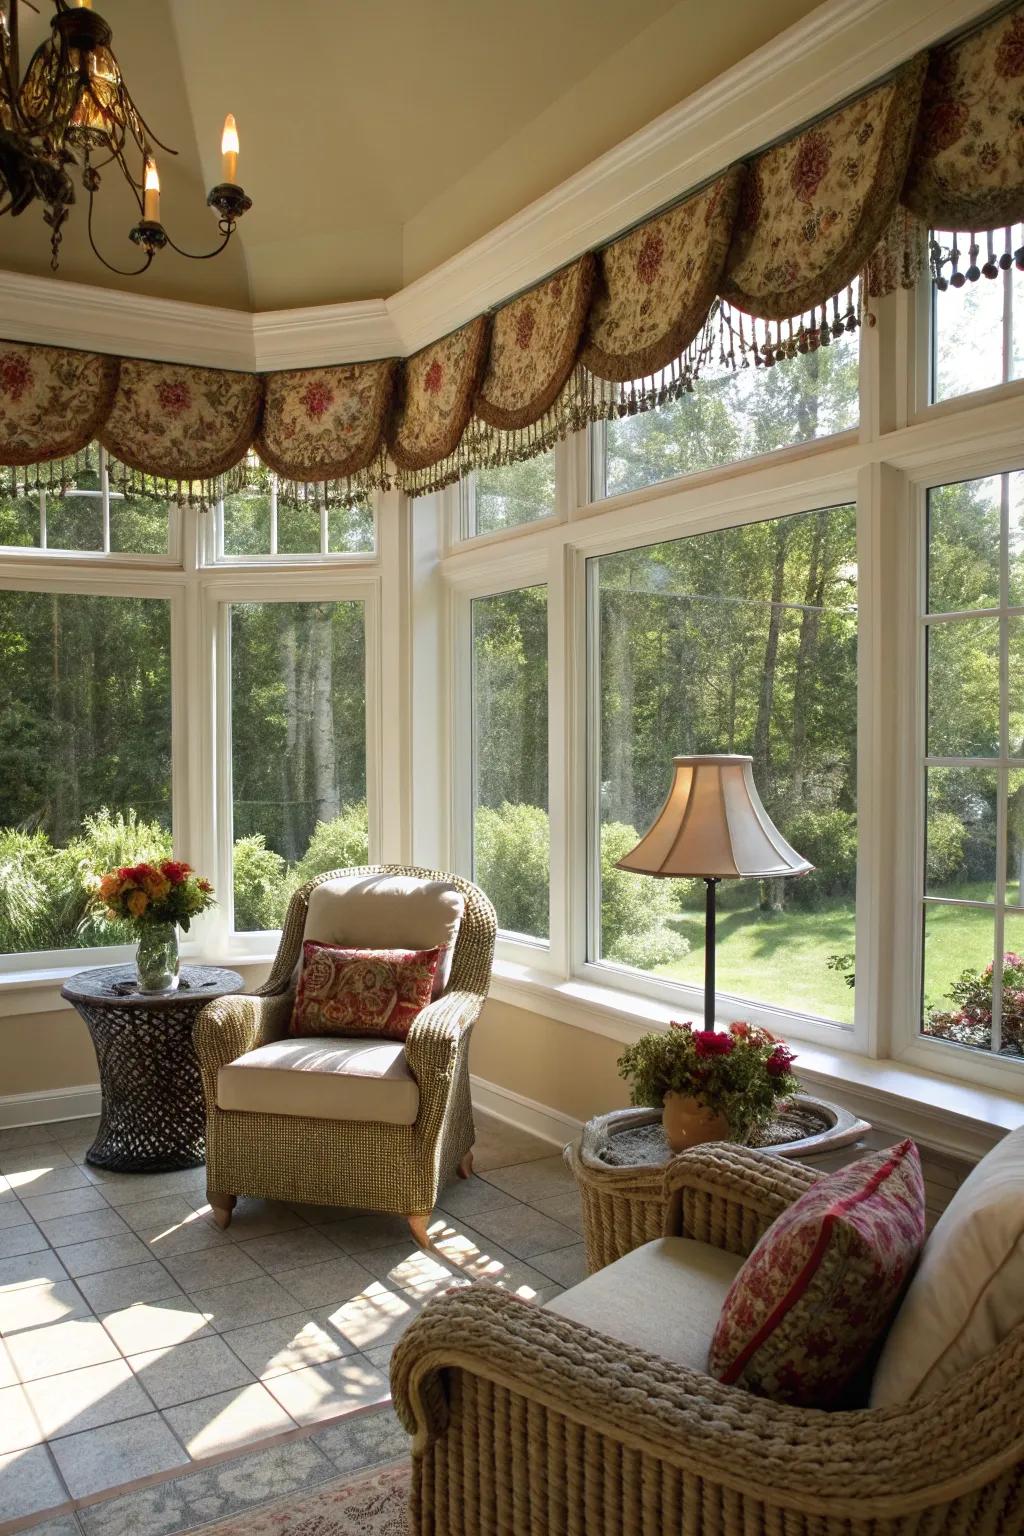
837,50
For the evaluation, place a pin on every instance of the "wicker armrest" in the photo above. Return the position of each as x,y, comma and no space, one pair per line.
437,1030
839,1466
728,1195
230,1026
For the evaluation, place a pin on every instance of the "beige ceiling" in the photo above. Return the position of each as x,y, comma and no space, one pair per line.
379,137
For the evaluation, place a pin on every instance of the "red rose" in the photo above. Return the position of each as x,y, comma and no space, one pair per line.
136,872
779,1062
174,871
713,1042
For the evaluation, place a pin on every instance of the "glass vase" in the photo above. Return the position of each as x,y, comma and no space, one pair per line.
156,960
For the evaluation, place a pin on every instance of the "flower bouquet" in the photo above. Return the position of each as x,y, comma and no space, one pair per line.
712,1085
156,899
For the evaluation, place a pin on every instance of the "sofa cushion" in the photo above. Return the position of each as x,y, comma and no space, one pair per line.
664,1297
968,1293
373,992
388,912
327,1079
813,1300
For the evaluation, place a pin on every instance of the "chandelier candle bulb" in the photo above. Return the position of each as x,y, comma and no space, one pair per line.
229,151
151,193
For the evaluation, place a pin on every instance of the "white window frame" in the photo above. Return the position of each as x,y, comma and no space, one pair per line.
212,541
42,551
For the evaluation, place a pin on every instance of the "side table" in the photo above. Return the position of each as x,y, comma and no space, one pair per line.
622,1197
153,1118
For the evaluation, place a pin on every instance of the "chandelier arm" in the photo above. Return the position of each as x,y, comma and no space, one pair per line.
121,271
204,255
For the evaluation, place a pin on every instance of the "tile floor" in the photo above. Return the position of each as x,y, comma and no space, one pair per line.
137,1338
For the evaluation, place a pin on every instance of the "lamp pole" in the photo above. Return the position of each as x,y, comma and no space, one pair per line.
711,881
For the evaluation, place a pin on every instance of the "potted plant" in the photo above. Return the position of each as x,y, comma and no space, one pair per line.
155,899
711,1085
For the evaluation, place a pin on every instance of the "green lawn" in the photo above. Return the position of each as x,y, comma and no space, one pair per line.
781,957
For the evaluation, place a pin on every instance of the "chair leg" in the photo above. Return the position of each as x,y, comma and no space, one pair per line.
222,1206
466,1166
418,1227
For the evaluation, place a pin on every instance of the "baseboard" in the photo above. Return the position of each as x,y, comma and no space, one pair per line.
51,1104
525,1114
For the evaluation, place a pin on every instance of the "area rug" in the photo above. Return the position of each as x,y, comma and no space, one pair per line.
373,1504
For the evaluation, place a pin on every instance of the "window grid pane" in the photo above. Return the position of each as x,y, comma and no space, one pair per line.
508,496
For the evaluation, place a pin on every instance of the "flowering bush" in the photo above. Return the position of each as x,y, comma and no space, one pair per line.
969,1022
168,892
739,1073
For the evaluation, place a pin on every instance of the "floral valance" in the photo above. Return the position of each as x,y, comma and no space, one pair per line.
778,255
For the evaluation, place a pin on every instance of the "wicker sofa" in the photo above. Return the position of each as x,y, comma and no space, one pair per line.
358,1158
525,1421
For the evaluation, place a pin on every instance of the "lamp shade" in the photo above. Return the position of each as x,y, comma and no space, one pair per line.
714,825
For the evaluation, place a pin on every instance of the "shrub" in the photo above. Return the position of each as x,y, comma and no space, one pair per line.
947,837
969,1021
636,910
34,881
829,840
342,843
513,865
108,841
261,884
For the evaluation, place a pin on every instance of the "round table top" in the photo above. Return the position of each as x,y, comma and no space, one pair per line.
117,986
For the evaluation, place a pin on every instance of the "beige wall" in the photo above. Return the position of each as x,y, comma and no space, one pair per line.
559,1066
42,1051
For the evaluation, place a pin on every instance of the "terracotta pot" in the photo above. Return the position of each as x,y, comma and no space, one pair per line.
688,1122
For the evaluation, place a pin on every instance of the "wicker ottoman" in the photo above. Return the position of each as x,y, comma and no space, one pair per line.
623,1203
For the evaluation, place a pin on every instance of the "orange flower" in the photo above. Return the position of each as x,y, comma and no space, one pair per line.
155,885
109,886
138,901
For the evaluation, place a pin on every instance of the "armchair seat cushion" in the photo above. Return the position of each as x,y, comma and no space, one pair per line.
328,1079
664,1297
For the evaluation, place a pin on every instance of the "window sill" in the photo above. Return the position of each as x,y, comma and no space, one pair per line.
941,1112
38,990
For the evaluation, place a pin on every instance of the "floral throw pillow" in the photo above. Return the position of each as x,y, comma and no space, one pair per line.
814,1299
361,991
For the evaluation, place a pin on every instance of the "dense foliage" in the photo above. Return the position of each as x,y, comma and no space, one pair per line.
969,1021
739,1073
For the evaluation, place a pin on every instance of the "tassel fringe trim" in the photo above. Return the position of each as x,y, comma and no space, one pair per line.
963,257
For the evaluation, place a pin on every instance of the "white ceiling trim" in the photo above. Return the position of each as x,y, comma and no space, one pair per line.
834,52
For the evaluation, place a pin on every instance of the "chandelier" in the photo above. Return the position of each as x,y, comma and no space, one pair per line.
72,113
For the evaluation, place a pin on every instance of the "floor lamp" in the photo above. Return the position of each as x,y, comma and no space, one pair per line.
713,826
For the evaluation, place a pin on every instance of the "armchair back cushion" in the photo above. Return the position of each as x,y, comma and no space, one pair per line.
388,912
968,1293
813,1300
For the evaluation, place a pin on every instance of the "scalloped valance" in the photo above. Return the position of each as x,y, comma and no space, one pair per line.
774,256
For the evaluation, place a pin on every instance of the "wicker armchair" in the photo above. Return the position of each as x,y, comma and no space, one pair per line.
365,1163
525,1422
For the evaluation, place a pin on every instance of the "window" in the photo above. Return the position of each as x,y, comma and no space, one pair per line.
730,418
88,517
743,640
973,875
511,842
298,749
256,523
978,328
85,757
495,499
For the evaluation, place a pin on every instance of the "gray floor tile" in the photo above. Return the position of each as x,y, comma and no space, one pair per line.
468,1196
358,1234
182,1372
13,1214
378,1317
59,1347
497,1145
404,1264
29,1482
564,1208
320,1392
155,1221
366,1440
281,1251
327,1283
228,1419
8,1375
47,1181
522,1231
80,1126
38,1305
117,1453
59,1525
19,1427
566,1266
68,1202
260,1218
114,1289
247,1301
288,1343
24,1238
156,1324
14,1138
30,1159
85,1399
30,1269
83,1227
131,1188
103,1253
540,1179
220,1266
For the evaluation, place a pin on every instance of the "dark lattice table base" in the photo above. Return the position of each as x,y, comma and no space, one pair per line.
153,1118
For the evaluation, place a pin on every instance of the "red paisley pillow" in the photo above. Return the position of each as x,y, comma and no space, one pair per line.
361,991
816,1296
